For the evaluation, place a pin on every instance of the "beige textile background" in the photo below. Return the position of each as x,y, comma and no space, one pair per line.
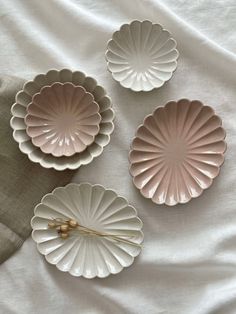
23,183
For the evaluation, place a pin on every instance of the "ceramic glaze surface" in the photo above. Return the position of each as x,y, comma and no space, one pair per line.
62,119
141,55
94,207
24,98
177,152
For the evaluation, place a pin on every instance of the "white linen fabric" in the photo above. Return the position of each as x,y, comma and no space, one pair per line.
188,262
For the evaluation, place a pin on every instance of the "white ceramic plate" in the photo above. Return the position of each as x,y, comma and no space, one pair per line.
24,98
94,207
141,55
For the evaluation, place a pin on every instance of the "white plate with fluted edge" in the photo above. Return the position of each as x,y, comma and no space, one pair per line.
24,98
142,55
94,207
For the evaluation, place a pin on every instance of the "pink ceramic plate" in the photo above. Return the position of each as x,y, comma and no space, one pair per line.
177,152
62,119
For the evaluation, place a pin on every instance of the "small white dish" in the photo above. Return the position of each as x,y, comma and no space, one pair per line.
24,98
94,207
141,55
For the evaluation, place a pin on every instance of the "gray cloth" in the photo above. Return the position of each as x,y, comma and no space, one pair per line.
23,183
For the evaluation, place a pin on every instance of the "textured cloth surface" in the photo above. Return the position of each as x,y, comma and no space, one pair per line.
188,262
22,183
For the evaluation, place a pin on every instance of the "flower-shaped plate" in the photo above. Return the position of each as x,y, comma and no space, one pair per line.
177,152
62,119
141,55
24,98
93,207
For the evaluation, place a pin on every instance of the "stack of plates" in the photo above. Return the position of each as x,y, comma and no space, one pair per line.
62,119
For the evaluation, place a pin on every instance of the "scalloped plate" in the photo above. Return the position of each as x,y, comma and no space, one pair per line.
177,152
24,97
62,119
141,55
94,207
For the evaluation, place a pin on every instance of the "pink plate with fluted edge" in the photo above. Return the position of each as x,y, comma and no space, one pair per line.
177,152
62,119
